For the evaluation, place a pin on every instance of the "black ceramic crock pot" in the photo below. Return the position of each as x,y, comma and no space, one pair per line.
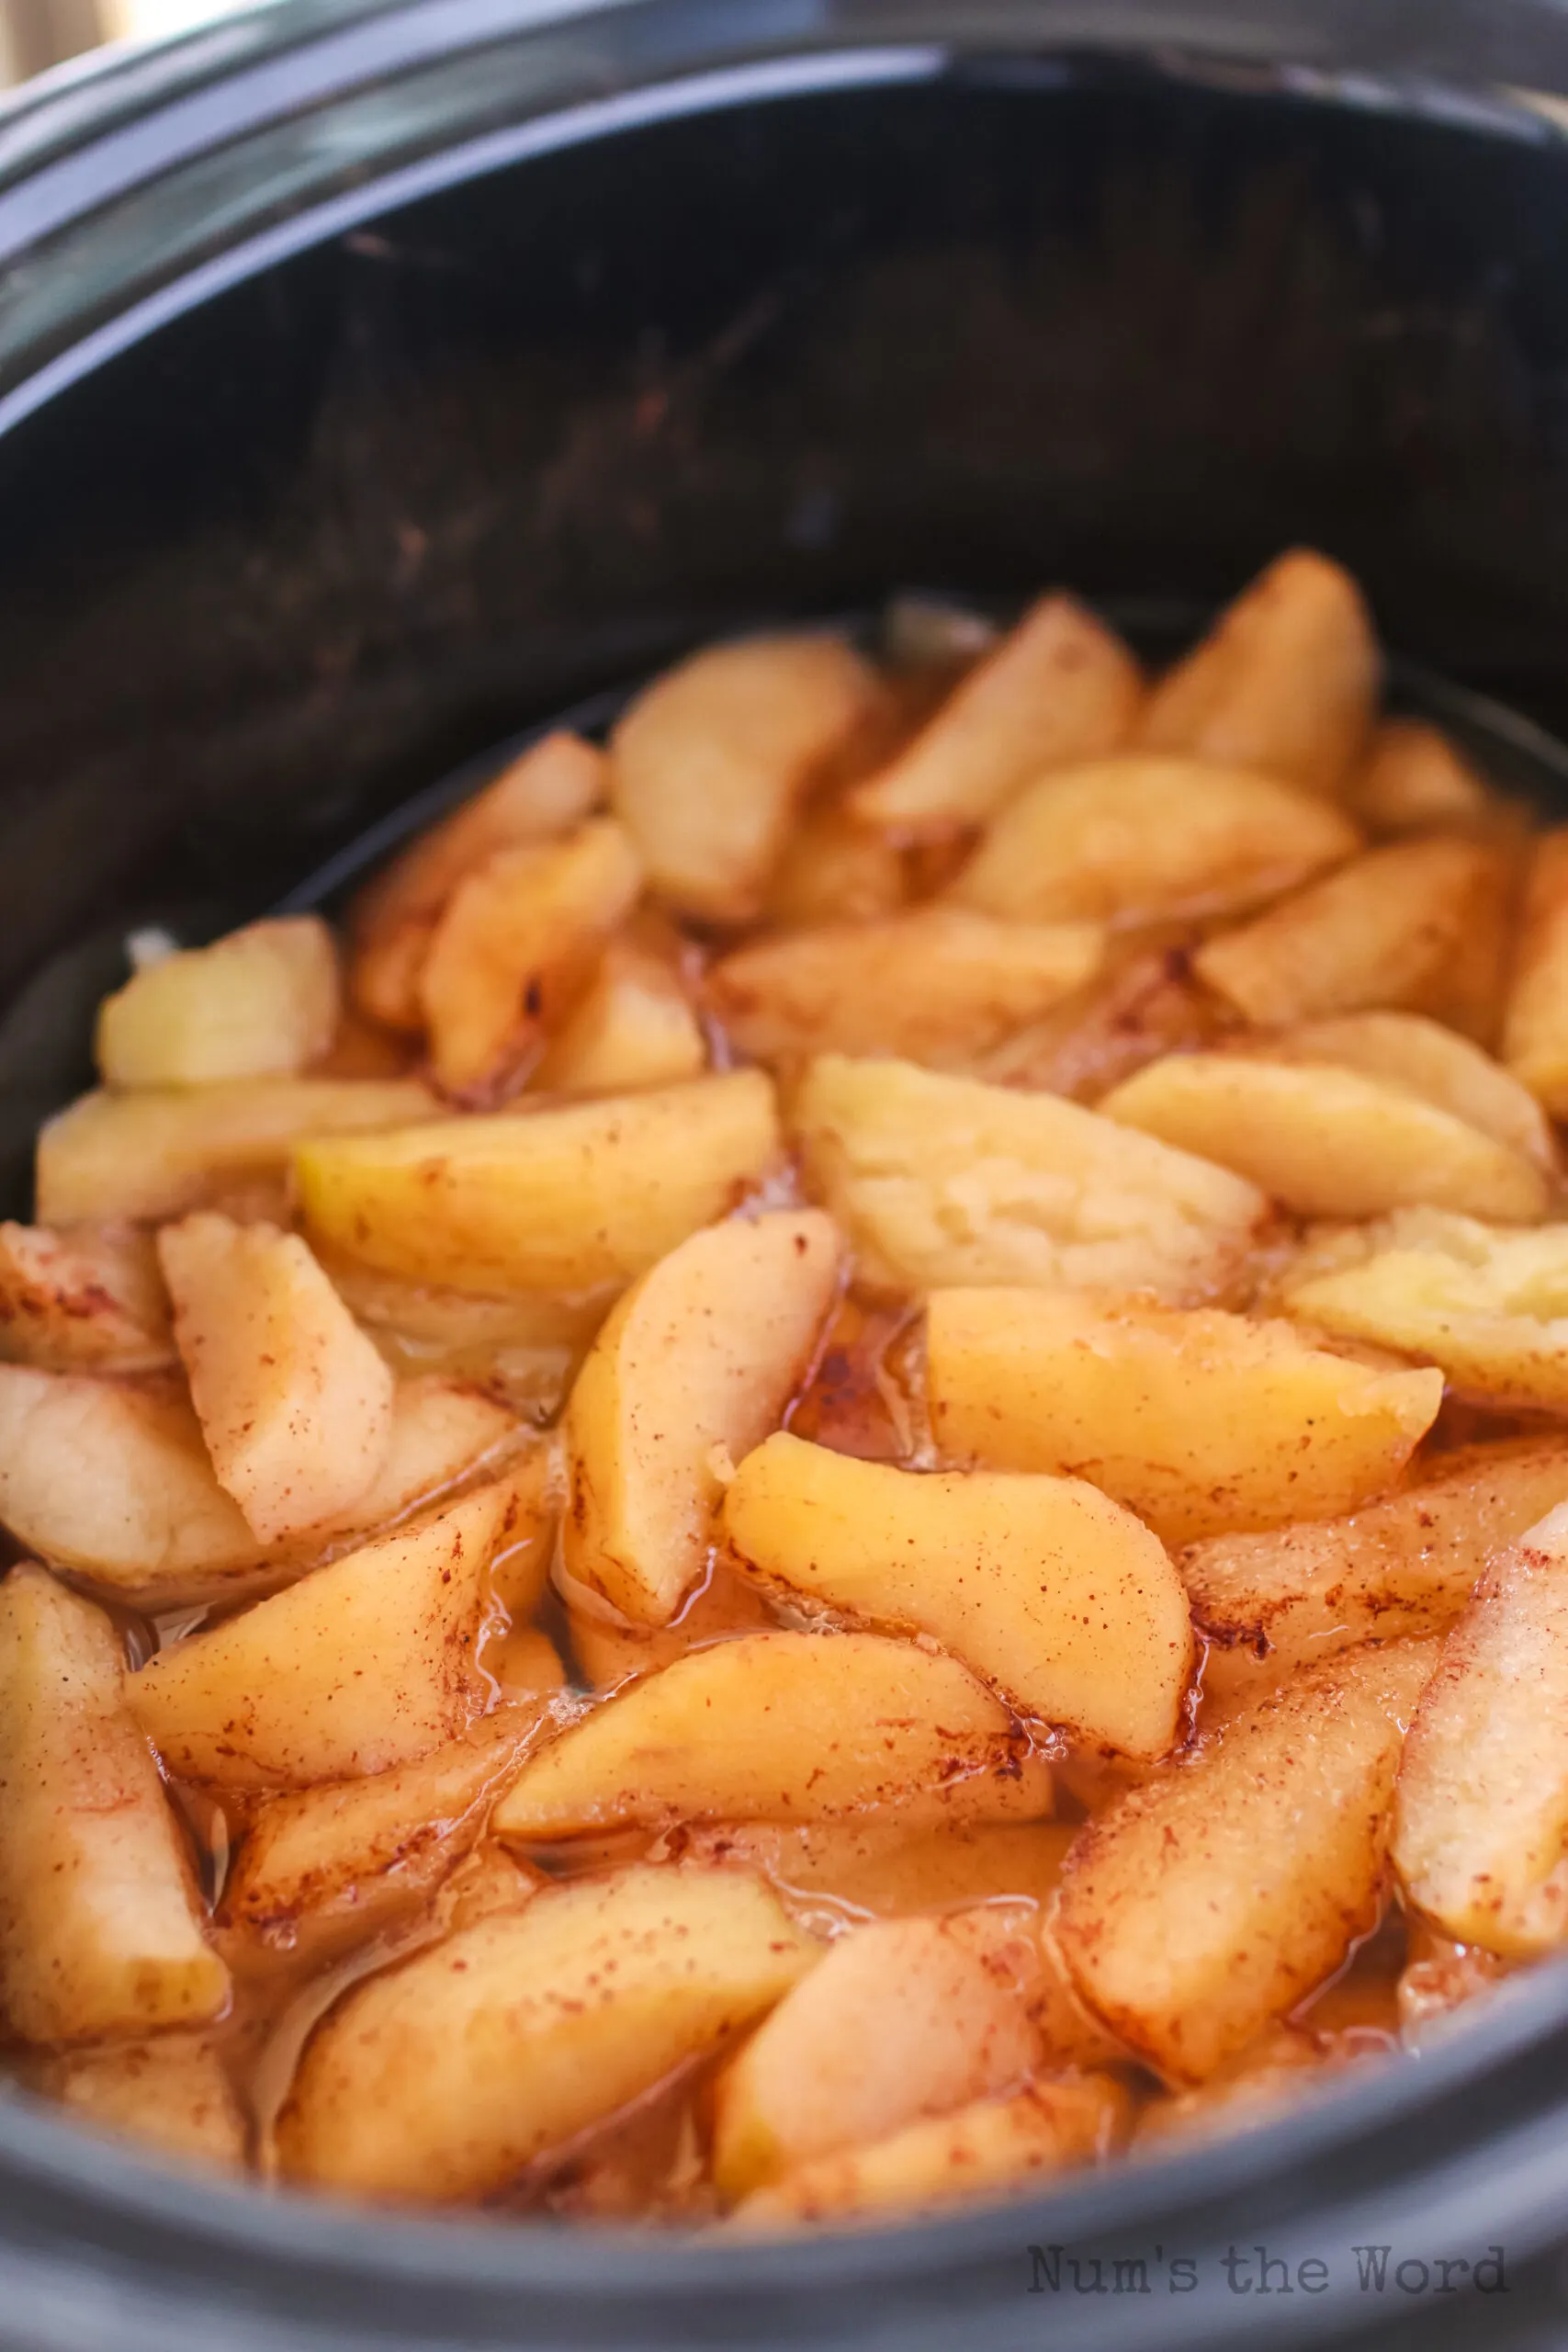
374,383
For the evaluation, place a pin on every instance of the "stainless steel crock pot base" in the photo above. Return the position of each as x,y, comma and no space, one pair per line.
329,530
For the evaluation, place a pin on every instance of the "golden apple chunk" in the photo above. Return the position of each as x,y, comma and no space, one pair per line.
261,1003
90,1299
782,1726
1042,1586
99,1931
703,1354
563,1199
1199,1421
445,2077
294,1400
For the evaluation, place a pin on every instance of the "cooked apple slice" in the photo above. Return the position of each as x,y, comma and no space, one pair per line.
263,1001
1146,839
1270,1603
782,1726
634,1027
712,759
703,1354
364,1664
443,2079
834,870
1199,1421
1059,688
294,1401
942,1179
98,1925
113,1482
904,2018
1489,1305
170,2091
158,1153
1329,1142
1481,1815
886,1868
554,1200
1534,1019
1202,1906
1145,1005
939,984
1437,1063
90,1299
1419,925
984,2149
1414,780
551,786
515,948
333,1865
1042,1586
1286,681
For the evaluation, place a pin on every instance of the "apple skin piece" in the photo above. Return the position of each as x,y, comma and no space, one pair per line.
294,1400
100,1927
703,1353
1201,1422
1043,1586
442,2079
554,1199
782,1726
1199,1908
361,1666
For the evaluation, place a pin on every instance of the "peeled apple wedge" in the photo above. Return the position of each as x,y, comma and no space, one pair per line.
98,1925
1199,1421
1418,926
263,1001
712,760
939,984
294,1400
1286,680
1414,780
515,948
703,1353
633,1027
1481,1812
782,1726
1144,837
1326,1141
165,1149
551,786
982,2150
1433,1061
941,1179
359,1667
561,1199
445,2077
1043,1586
1535,1018
90,1299
904,2018
168,2090
333,1864
1272,1602
1201,1906
1489,1305
1058,688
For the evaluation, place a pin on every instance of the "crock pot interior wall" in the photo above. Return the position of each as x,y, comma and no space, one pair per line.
276,565
279,565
